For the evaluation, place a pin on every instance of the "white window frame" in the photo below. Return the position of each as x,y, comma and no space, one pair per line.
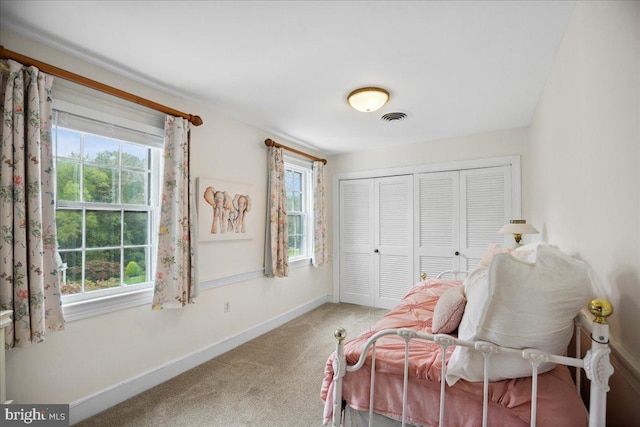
306,169
79,306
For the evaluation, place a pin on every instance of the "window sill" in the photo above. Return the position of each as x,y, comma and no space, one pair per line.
95,307
300,262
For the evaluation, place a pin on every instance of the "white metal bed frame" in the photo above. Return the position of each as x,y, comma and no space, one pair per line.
596,363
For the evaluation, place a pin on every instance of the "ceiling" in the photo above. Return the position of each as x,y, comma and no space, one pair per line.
286,67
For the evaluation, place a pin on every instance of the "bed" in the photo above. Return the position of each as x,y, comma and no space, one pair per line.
504,350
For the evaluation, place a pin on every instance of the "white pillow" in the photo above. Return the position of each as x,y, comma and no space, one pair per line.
519,304
529,249
528,253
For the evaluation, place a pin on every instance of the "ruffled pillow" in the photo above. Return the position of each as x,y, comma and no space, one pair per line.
448,311
525,253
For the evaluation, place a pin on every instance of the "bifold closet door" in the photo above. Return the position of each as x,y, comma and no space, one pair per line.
393,240
376,240
357,241
485,206
437,222
458,215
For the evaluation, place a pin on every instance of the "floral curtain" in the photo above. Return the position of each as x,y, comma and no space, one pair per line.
320,253
29,282
277,242
176,283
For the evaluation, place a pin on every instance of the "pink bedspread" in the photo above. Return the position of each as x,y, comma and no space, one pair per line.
558,402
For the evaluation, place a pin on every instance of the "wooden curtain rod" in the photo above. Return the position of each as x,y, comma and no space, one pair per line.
67,75
272,143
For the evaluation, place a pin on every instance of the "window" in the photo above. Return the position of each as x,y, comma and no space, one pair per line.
107,186
299,211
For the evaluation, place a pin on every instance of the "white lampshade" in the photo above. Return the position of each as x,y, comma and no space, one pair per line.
518,227
368,99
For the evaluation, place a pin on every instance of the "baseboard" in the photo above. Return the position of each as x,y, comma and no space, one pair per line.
104,399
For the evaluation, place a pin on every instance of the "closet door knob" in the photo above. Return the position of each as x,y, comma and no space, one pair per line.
456,253
376,251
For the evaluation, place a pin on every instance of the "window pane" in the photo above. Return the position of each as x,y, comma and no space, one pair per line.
69,228
134,187
103,229
288,180
135,156
294,224
100,184
71,280
297,202
67,143
68,180
297,181
303,235
135,228
302,224
102,269
135,260
103,151
294,246
289,201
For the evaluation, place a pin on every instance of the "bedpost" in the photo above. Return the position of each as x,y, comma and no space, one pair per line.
339,369
597,366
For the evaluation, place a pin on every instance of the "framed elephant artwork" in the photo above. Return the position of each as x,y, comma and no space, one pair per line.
224,210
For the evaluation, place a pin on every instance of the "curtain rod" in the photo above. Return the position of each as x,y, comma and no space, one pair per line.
272,143
67,75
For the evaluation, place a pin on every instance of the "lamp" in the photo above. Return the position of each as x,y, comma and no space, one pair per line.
368,99
518,227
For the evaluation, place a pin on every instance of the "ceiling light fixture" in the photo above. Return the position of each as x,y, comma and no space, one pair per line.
368,99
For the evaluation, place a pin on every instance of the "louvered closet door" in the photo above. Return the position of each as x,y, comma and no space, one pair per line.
437,229
458,215
357,241
485,206
393,261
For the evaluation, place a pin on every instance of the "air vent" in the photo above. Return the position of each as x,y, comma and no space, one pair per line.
392,117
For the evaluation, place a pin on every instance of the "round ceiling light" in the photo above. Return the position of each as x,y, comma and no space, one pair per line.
368,99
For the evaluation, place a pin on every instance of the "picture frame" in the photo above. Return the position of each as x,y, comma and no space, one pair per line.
224,210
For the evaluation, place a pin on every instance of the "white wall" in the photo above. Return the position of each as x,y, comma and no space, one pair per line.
585,151
101,352
585,159
479,146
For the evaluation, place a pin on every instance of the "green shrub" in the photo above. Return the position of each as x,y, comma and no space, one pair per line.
132,270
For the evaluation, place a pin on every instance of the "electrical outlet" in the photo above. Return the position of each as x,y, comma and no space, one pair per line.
227,307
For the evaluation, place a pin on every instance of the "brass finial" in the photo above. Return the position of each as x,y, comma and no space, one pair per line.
423,276
340,334
601,309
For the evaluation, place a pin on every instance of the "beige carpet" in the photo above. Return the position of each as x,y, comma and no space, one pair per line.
273,380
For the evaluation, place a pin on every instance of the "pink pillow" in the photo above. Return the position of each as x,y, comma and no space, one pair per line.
449,310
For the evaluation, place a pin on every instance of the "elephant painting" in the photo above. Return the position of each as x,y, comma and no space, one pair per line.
222,204
242,205
228,214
